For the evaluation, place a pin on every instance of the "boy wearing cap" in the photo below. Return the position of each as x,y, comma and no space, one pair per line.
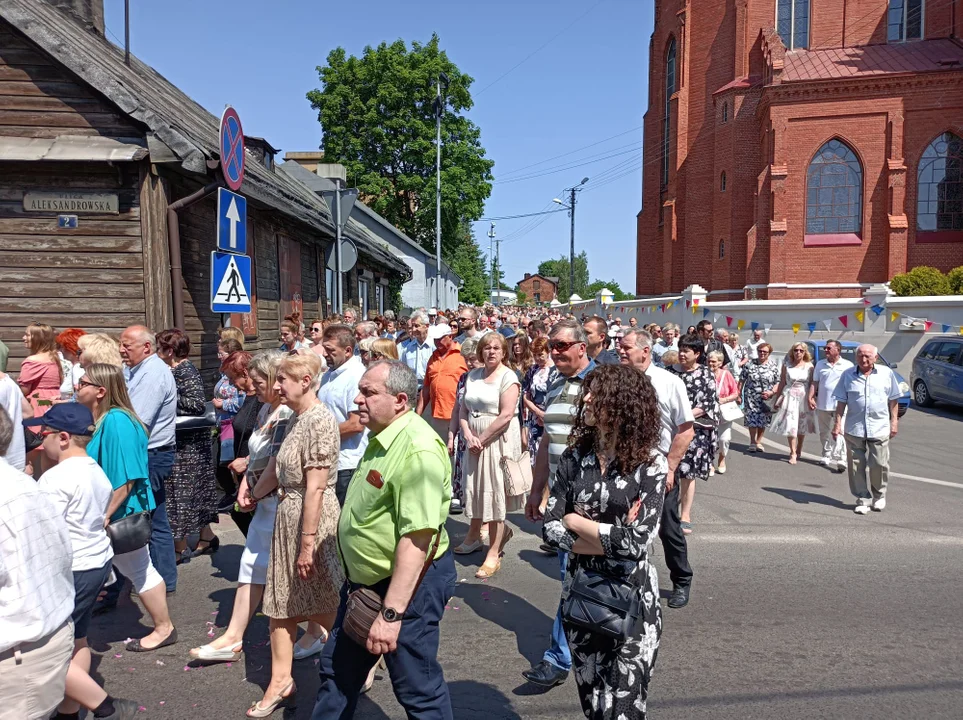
445,367
80,491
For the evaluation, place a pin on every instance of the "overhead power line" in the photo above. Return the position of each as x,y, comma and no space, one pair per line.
572,152
525,215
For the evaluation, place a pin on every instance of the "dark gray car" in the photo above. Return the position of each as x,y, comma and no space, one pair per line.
938,372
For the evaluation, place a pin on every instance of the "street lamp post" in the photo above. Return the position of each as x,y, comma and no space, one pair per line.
439,111
571,213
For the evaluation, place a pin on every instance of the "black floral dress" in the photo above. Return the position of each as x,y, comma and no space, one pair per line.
612,677
700,385
756,378
535,387
191,488
460,445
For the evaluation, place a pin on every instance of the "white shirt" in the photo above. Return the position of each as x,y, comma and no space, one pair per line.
10,400
338,391
36,584
753,347
674,405
826,376
867,399
415,355
80,492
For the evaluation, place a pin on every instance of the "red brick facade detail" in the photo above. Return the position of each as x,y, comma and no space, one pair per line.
538,288
745,106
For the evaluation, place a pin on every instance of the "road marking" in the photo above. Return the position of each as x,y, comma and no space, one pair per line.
817,458
766,539
945,540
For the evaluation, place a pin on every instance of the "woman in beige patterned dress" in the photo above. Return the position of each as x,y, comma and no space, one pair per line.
489,423
304,577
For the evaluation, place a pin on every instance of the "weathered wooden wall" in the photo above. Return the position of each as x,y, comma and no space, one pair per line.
91,277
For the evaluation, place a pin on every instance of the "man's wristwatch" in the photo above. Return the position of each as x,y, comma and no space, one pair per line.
391,615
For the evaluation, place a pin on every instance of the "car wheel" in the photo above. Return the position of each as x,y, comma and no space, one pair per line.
921,395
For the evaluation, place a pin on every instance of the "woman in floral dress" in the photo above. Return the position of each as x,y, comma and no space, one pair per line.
794,418
457,447
701,388
534,391
604,511
757,383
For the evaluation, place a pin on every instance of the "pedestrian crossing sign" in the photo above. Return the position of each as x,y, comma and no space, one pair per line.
230,283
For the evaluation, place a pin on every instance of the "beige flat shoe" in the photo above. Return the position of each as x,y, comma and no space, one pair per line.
486,571
258,711
464,549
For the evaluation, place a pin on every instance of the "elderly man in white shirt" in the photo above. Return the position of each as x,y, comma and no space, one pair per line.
867,395
37,592
417,349
826,376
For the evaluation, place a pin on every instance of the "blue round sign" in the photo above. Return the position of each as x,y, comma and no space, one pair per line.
232,148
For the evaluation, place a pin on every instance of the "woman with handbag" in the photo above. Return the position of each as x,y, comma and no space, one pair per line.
795,415
700,385
257,492
304,574
119,445
192,487
489,422
604,510
757,383
728,391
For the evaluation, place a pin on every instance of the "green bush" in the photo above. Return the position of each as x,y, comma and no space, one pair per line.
955,277
920,281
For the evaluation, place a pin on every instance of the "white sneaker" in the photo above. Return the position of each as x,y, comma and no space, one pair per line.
879,505
862,506
827,461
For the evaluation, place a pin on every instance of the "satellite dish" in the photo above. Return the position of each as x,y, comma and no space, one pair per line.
349,256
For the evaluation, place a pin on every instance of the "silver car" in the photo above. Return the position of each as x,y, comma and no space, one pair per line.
938,372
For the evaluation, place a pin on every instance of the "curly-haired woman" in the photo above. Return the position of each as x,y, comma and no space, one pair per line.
604,510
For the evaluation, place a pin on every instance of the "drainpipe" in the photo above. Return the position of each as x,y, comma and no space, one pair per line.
174,247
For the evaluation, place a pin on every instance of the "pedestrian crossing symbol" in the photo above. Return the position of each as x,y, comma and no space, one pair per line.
230,283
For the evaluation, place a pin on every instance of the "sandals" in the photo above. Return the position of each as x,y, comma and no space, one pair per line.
464,549
212,546
258,711
208,654
686,527
135,646
792,459
486,571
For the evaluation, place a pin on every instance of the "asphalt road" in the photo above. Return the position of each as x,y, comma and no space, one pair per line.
800,608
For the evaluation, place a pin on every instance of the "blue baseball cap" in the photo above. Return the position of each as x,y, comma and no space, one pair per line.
68,417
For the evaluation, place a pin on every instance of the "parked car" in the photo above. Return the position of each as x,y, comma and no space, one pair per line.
817,348
938,372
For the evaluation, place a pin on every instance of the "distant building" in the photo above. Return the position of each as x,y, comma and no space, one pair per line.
419,290
540,289
795,147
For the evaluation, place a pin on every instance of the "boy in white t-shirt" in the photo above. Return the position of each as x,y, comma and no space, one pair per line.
79,489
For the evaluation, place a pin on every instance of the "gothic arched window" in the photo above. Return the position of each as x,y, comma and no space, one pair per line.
834,187
670,71
939,189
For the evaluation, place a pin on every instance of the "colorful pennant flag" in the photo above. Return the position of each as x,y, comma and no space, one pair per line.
754,326
717,317
696,302
877,309
795,328
828,324
811,326
767,327
728,320
893,316
927,324
866,301
687,304
740,324
662,307
669,305
694,309
859,315
705,312
946,328
844,319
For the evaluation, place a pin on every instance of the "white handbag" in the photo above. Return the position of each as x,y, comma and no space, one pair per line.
730,411
518,475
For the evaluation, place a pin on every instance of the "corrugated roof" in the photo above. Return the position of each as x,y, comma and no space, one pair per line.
189,130
873,60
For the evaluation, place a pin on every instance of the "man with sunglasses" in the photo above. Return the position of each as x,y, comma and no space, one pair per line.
467,324
568,346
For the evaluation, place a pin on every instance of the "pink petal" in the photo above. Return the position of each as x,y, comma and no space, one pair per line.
141,709
161,702
118,655
187,668
229,664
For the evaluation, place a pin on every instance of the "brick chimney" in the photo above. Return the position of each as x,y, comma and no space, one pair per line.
89,13
527,275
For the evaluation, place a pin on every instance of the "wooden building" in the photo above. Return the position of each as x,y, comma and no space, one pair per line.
83,134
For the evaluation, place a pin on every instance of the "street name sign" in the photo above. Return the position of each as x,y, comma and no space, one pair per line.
71,202
230,283
232,148
231,222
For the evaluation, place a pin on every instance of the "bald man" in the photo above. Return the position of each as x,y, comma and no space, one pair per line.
868,396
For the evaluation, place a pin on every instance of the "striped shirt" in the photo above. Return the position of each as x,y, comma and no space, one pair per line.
560,401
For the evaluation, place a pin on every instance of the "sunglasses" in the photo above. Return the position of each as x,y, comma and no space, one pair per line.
87,383
562,345
45,433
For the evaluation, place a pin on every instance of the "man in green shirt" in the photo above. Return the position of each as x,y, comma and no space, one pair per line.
397,502
4,355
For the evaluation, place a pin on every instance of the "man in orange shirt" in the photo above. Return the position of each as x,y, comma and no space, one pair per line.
445,368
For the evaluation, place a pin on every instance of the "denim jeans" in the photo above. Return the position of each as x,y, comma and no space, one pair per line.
160,465
416,675
559,654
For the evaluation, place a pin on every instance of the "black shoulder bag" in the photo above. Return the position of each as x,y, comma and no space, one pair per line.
602,604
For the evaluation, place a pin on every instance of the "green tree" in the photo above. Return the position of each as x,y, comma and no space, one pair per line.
921,281
468,262
377,114
617,292
560,269
955,277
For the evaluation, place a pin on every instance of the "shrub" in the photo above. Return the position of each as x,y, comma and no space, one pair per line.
955,277
920,281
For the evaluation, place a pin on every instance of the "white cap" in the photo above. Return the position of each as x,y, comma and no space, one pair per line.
436,332
432,311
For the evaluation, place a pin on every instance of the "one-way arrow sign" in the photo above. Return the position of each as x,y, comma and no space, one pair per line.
231,221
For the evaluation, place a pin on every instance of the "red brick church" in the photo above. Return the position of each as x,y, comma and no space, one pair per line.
793,144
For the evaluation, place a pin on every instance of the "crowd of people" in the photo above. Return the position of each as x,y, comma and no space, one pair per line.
340,456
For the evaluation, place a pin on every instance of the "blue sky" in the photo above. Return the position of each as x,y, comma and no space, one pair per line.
585,86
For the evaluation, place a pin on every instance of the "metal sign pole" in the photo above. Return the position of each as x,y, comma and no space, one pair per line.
338,282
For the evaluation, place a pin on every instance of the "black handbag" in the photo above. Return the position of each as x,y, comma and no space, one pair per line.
198,422
129,533
603,604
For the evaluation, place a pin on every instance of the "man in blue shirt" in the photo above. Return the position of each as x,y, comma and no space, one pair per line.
153,394
416,350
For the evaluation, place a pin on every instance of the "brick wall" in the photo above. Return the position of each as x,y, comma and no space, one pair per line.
546,289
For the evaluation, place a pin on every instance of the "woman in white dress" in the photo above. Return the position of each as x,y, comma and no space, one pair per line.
795,416
489,423
257,492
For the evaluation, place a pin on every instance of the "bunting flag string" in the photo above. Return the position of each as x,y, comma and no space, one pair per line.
811,326
767,326
728,320
795,328
844,319
740,324
927,324
696,302
828,324
946,328
754,326
877,309
893,316
705,312
859,315
687,304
